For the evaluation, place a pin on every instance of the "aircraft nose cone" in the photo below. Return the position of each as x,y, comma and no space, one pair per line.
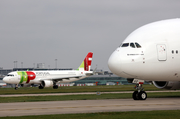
114,63
5,80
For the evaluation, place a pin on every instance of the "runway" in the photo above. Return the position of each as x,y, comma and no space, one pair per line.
87,106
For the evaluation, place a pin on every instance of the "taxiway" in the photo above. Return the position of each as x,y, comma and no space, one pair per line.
87,106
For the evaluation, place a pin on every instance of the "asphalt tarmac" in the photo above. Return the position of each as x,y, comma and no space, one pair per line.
87,106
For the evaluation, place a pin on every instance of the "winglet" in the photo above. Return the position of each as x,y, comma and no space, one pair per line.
86,64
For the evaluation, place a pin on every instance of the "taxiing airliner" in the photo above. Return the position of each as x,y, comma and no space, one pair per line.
150,53
50,78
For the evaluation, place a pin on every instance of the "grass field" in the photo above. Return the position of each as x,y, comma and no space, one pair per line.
84,97
72,89
169,114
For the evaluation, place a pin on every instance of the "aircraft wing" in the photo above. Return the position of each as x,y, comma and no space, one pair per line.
89,74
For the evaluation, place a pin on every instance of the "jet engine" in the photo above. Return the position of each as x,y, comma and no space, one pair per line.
47,83
170,85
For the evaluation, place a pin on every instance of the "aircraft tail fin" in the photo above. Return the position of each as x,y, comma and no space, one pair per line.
86,64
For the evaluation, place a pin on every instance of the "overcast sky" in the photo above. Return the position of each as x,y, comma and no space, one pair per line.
40,31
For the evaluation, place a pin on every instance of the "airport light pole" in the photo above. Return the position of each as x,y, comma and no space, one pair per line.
15,64
34,65
21,64
56,63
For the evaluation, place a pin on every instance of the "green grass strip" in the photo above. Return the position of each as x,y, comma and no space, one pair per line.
84,97
167,114
72,89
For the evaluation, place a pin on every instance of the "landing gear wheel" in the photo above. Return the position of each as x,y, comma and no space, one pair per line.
55,87
41,87
135,95
142,95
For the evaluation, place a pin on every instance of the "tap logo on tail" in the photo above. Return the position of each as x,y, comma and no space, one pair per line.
86,64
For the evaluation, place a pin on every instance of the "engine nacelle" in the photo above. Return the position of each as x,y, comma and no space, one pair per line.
47,83
170,85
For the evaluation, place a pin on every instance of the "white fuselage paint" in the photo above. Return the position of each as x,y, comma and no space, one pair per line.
155,60
67,76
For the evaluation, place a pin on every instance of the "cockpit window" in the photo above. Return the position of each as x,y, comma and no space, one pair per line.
137,45
125,45
132,45
10,75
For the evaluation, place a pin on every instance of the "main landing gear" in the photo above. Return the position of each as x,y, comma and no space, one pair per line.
55,87
139,94
40,86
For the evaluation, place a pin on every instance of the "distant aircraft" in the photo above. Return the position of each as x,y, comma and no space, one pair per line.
150,53
50,78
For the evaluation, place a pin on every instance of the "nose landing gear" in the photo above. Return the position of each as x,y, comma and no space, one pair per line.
139,94
16,87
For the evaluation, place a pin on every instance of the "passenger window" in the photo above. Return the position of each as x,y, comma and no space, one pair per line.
132,45
125,45
137,45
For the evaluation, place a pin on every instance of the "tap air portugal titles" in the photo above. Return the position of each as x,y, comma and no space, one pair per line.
150,53
50,78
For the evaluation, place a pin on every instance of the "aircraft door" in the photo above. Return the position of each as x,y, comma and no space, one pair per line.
162,55
19,77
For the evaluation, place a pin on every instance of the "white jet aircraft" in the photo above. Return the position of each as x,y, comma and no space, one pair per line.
150,53
50,78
